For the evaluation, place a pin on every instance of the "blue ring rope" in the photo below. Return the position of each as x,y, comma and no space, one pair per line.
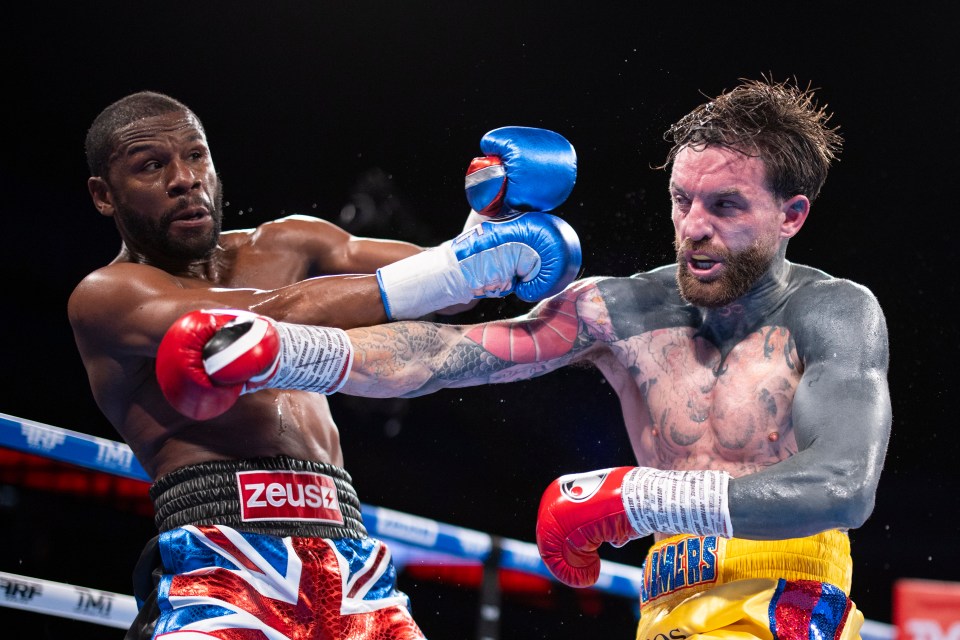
116,458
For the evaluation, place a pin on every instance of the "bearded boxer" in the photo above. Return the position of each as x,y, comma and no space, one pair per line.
260,527
754,389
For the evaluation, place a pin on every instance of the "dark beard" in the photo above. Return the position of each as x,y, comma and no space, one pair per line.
152,237
742,271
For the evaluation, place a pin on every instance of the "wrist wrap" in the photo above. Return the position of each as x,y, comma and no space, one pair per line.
312,358
677,501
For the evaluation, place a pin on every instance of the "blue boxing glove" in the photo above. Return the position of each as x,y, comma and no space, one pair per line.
534,255
523,169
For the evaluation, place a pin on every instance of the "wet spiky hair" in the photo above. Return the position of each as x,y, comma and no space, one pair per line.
778,122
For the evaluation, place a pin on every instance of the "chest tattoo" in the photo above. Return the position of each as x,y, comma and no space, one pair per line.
701,402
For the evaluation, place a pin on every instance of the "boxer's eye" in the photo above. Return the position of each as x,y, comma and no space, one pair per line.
680,202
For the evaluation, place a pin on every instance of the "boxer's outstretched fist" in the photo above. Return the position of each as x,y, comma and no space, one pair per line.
578,513
208,358
534,254
522,169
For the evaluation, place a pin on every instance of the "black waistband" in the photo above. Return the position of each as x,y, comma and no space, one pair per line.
207,493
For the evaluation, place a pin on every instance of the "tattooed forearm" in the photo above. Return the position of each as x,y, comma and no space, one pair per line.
382,351
396,359
469,361
408,359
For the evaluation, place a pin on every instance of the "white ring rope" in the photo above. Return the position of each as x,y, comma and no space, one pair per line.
117,610
67,601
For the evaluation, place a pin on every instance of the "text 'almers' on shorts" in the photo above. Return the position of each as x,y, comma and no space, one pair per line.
709,587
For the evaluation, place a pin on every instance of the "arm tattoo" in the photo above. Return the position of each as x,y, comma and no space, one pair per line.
414,358
467,360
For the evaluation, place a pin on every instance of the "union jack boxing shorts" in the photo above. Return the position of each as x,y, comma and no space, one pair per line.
265,549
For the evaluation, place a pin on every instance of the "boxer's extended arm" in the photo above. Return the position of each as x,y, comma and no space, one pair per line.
409,359
126,308
131,306
209,357
841,416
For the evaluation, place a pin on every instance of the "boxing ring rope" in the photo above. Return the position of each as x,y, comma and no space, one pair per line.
118,610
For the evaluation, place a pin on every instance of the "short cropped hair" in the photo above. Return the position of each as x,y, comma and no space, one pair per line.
100,141
778,122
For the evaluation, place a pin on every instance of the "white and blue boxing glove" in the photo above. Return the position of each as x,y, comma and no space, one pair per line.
523,169
534,255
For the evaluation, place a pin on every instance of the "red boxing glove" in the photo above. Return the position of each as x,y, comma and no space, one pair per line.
578,513
208,358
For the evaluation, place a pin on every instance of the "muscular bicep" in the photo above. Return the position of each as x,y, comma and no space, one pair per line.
366,255
330,249
842,406
841,416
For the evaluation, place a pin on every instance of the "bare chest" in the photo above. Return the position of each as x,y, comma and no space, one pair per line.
689,405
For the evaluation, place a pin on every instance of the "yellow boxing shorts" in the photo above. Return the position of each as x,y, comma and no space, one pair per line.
699,587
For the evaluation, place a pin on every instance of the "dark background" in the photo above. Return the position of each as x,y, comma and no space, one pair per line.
367,114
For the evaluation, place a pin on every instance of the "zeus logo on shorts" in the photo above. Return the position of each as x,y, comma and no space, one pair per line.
288,495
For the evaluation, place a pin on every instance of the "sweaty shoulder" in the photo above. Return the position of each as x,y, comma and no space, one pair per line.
115,285
293,232
294,247
124,306
830,316
646,301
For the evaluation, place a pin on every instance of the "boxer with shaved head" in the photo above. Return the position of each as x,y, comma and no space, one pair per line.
260,527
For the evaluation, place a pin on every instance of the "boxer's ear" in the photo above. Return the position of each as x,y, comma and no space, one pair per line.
100,193
795,212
